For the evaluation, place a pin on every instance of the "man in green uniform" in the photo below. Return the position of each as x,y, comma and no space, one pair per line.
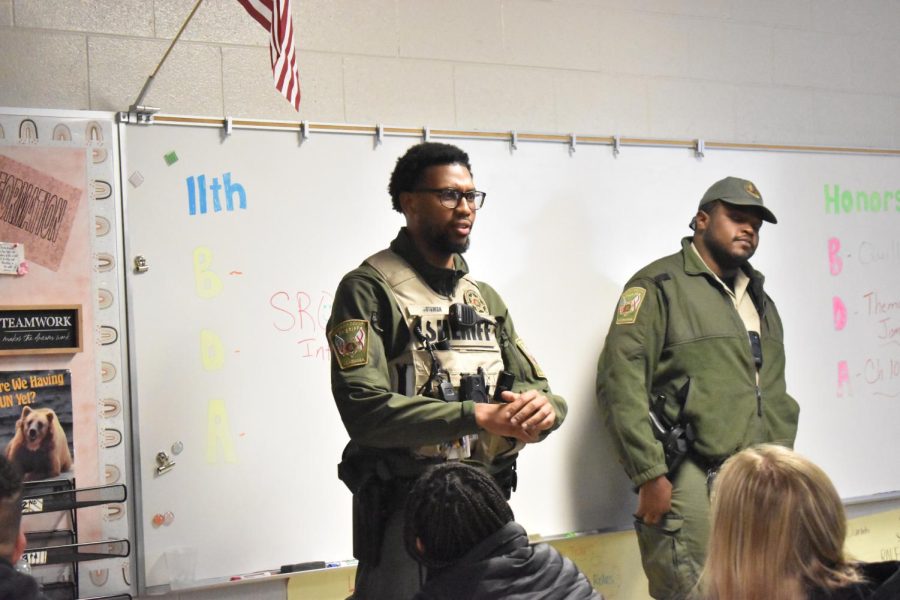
421,356
693,371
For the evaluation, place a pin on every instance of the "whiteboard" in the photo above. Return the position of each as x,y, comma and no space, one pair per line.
561,232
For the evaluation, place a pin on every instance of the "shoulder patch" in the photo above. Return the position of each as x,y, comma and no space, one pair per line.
474,299
629,304
350,343
534,363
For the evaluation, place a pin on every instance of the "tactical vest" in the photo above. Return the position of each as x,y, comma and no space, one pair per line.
463,350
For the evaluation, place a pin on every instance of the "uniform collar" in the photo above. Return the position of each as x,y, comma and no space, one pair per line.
443,281
694,265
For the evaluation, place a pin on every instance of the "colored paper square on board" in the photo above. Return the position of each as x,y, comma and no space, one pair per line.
171,158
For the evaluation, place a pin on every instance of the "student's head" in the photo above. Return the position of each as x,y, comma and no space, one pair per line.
12,539
450,509
778,529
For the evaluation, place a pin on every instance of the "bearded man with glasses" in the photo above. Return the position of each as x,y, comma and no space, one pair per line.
426,366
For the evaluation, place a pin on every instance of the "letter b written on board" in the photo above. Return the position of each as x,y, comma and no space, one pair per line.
207,283
835,264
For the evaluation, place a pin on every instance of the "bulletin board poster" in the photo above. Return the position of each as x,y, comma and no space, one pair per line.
36,422
58,216
45,206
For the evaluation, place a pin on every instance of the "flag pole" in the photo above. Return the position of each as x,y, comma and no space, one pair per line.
141,113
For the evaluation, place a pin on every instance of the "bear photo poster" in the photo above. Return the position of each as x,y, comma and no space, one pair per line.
36,422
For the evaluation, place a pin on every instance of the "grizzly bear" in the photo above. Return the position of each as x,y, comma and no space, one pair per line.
39,448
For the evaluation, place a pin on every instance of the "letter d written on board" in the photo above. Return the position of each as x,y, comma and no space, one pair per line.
212,354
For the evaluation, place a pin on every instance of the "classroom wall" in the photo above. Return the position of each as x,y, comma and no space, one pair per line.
804,71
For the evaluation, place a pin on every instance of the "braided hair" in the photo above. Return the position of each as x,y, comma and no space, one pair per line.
450,509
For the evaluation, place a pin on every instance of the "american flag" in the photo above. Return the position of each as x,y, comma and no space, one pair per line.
275,17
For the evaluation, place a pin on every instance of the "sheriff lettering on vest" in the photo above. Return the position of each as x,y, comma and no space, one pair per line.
426,366
693,371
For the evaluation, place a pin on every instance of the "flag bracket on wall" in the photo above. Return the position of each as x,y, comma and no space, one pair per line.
139,115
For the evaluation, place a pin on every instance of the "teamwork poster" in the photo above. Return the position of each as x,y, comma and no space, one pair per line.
36,422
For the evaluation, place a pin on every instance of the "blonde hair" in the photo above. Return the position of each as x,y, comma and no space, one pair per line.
778,529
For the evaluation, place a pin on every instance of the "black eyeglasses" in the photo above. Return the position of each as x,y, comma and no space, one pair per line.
450,197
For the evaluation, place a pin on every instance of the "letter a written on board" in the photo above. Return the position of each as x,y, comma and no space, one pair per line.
218,434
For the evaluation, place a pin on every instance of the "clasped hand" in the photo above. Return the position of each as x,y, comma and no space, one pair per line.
522,416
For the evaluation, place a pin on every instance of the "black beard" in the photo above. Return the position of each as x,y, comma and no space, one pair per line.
443,244
440,241
726,260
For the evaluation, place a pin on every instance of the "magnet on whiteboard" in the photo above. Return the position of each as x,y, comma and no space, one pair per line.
177,447
164,463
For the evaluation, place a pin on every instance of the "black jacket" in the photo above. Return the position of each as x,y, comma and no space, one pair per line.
505,565
882,583
15,585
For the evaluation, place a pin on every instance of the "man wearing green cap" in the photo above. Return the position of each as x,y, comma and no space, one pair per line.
692,371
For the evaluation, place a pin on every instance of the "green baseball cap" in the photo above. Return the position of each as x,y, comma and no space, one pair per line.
739,192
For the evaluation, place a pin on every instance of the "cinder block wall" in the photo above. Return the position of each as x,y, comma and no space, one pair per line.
781,71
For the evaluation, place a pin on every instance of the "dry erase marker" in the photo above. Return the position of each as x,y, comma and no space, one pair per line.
332,564
251,576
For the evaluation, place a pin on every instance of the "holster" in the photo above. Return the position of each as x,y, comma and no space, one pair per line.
507,479
677,438
379,487
370,514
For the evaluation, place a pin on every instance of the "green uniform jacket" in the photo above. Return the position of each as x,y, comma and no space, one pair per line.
687,332
386,424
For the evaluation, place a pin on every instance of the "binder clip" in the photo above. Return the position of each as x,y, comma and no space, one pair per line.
164,463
